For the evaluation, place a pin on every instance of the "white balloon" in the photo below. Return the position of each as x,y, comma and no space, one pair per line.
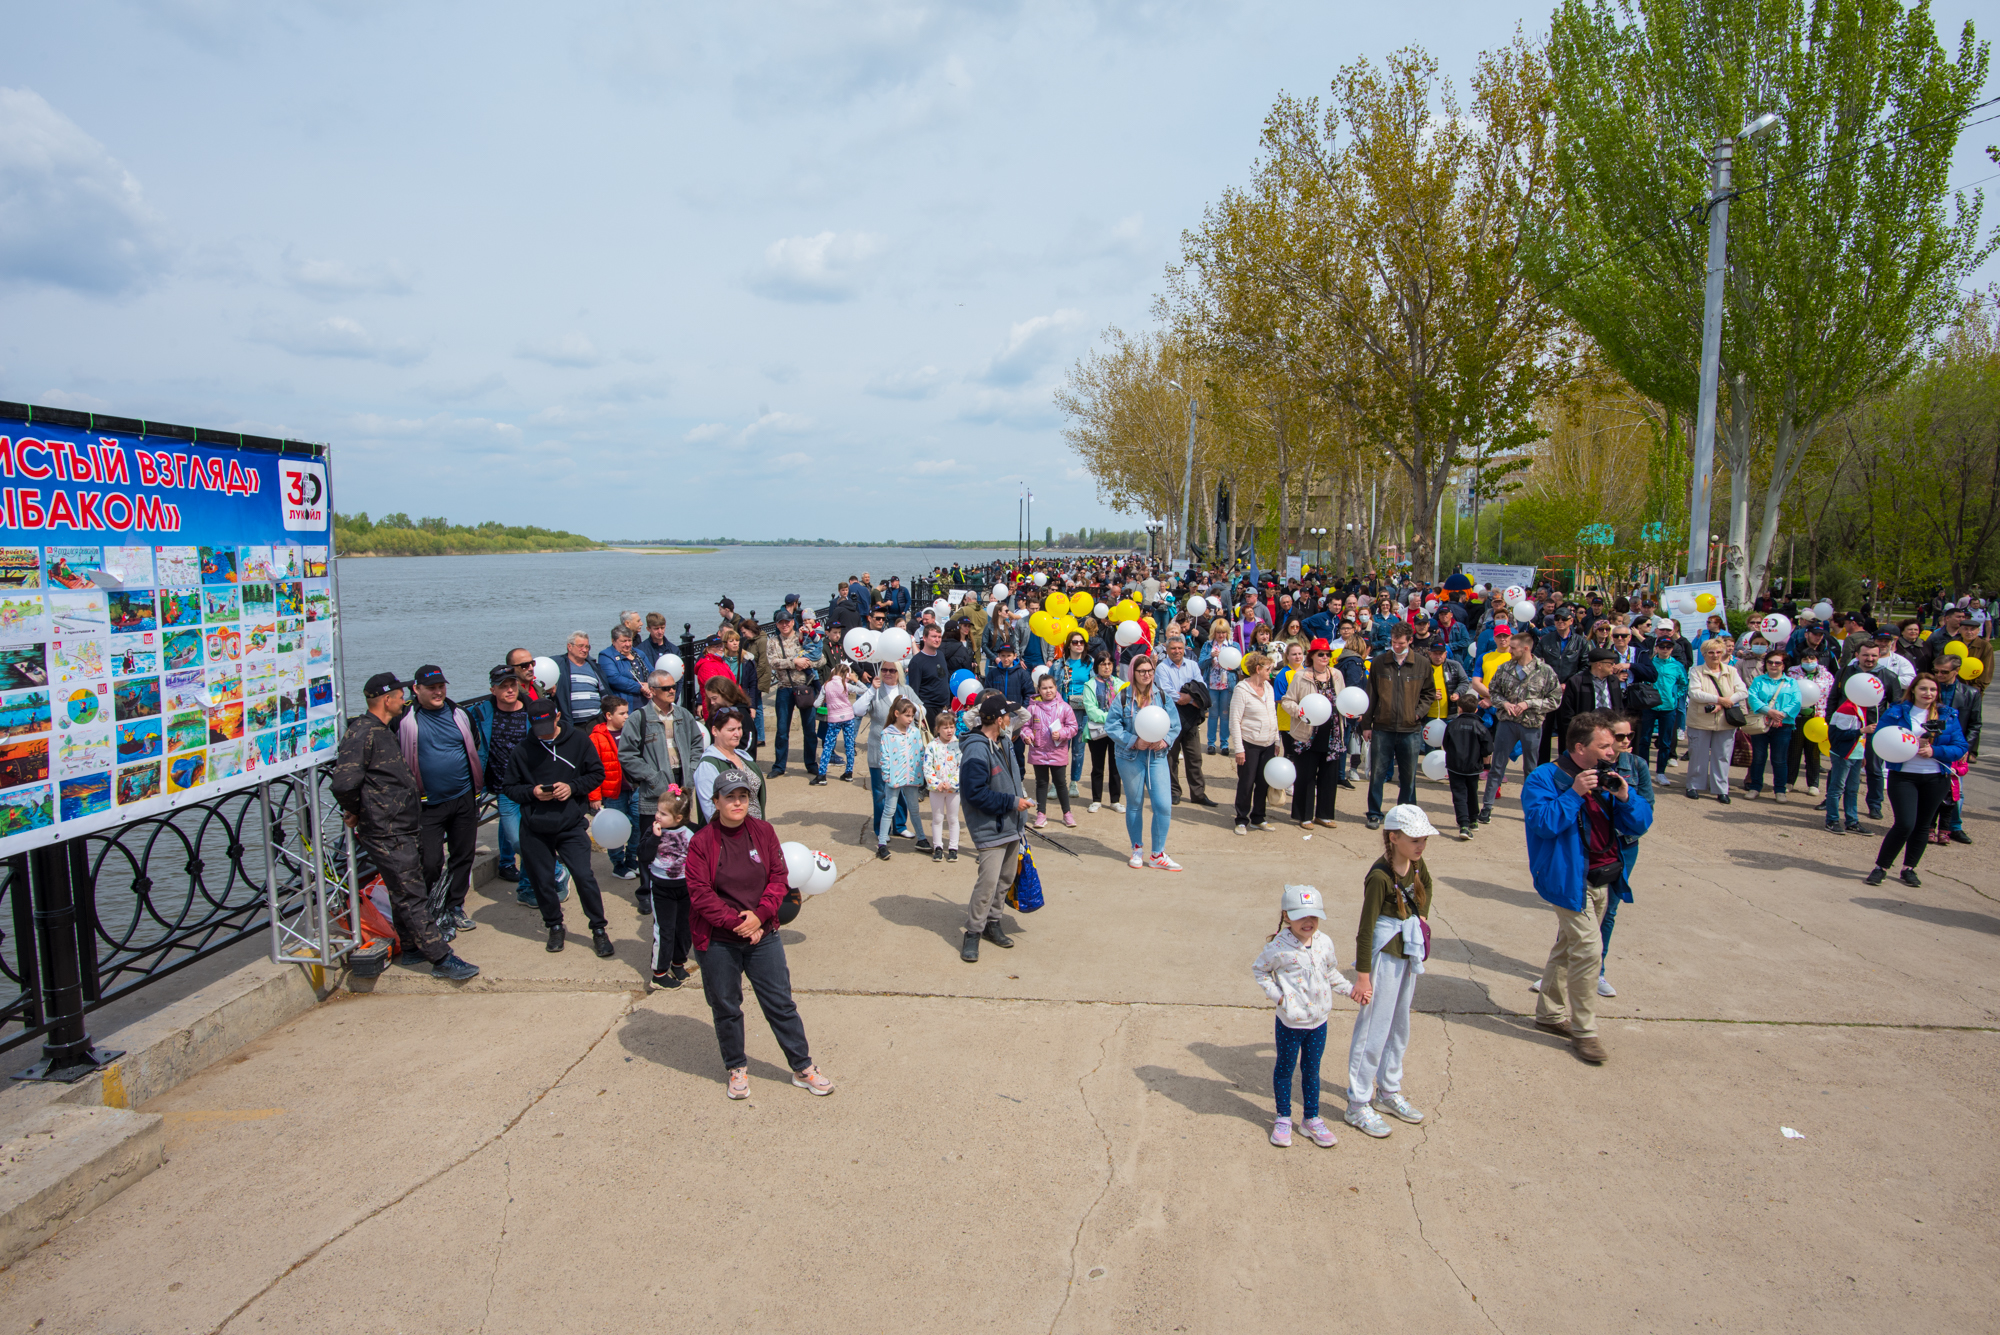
1823,610
1197,605
893,645
1279,772
1684,604
671,665
941,608
547,674
798,864
1041,670
1352,701
1229,657
1000,593
611,828
1434,732
1896,745
1809,693
1040,579
1524,612
1152,724
1778,626
970,688
858,644
1864,689
1129,633
1317,708
824,874
1431,605
1102,611
1433,765
1514,593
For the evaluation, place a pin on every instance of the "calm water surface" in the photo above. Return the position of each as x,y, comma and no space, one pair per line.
465,612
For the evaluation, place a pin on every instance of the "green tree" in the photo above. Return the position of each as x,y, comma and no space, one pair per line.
1842,259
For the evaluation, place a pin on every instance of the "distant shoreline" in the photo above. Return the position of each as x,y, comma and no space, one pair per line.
537,551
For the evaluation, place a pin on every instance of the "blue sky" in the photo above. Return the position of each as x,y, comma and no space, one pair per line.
805,270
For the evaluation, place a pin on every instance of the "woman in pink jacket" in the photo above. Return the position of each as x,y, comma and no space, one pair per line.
1051,723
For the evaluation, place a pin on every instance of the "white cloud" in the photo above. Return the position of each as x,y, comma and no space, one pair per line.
918,384
634,388
70,215
339,336
571,350
706,431
332,279
793,460
1028,408
458,391
826,267
63,398
1031,345
477,429
936,467
784,424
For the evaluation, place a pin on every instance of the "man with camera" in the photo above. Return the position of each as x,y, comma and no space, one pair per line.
1577,809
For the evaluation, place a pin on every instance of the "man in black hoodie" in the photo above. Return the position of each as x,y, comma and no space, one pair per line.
551,775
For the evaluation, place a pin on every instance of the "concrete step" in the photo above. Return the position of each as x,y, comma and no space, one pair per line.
59,1163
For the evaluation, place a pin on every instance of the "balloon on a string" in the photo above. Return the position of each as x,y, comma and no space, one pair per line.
1041,580
960,677
820,872
1823,610
894,645
858,644
1896,745
1039,623
1814,730
1056,604
1129,634
1041,670
1434,732
1000,592
1433,765
1958,647
547,674
1430,605
1352,702
611,828
968,690
1152,724
798,863
1513,593
1316,708
1080,604
1778,626
1280,772
1229,657
1704,602
1864,689
1197,605
671,665
1970,669
1809,694
1102,611
1524,612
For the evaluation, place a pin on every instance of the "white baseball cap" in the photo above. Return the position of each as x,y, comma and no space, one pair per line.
1303,901
1411,820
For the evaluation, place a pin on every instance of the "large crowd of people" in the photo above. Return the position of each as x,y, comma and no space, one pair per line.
981,692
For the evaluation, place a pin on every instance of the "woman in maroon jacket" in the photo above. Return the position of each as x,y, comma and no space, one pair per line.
736,881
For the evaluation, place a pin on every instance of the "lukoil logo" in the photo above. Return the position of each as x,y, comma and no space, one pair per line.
302,491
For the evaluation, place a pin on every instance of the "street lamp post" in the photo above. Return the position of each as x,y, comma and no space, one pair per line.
1703,487
1187,472
1319,535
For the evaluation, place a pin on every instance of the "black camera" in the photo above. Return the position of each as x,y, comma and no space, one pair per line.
1933,728
1609,779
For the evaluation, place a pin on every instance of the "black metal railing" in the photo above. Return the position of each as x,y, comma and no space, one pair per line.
94,919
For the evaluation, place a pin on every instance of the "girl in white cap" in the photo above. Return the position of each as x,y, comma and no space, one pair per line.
1299,971
1389,953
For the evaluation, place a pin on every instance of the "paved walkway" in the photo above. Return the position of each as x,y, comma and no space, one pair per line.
1069,1136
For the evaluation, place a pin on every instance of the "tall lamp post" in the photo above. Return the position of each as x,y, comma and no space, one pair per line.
1319,536
1187,472
1711,337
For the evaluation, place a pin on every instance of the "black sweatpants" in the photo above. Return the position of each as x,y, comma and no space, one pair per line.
453,825
1313,790
1465,799
1103,756
723,966
395,857
1046,775
538,858
1806,752
673,931
1251,790
1914,800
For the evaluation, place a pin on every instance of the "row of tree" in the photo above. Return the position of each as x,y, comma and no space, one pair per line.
399,535
1419,299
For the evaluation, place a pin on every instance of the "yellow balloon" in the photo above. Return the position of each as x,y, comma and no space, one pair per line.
1970,669
1057,604
1038,624
1122,613
1082,604
1957,647
1704,602
1815,730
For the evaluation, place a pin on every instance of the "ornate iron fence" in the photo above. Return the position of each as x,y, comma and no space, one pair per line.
96,918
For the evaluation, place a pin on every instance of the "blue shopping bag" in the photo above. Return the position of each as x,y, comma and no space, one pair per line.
1027,891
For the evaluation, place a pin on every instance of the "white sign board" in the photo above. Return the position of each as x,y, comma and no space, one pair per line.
1683,602
1501,577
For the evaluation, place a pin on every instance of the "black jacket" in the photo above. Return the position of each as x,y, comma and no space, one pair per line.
569,759
1580,695
1468,744
371,780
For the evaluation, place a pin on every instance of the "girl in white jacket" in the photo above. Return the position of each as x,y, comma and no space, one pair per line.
1298,970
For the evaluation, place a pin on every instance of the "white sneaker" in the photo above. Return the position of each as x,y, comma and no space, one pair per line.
1243,829
1604,987
1138,858
1813,791
1118,807
1161,862
1535,986
1095,805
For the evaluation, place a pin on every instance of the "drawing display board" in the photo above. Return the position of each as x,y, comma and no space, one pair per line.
167,625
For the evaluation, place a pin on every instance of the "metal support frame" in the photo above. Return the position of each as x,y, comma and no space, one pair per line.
315,934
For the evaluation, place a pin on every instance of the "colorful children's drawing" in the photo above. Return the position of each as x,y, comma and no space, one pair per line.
286,563
139,740
291,598
78,660
137,783
25,713
24,665
139,698
186,731
323,734
132,609
72,567
291,707
260,639
23,761
185,690
259,600
224,644
319,646
225,762
319,600
225,684
319,694
187,770
81,707
290,740
266,745
253,564
78,613
82,753
218,565
27,809
182,648
260,714
135,655
225,722
315,563
23,617
20,567
221,602
179,607
87,796
127,568
178,567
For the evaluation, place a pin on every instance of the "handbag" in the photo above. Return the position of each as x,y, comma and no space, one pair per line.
1733,715
1026,892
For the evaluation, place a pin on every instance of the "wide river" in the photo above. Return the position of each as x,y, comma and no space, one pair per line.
465,612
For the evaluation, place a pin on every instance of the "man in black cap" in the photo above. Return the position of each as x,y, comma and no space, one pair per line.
551,775
376,790
441,751
1596,687
990,784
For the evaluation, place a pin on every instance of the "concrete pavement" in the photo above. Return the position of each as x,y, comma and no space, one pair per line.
1069,1136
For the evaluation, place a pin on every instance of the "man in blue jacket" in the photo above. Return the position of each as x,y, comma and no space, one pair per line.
1577,811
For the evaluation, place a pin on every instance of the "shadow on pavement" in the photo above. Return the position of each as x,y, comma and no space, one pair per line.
1941,917
1526,899
1239,1068
684,1043
944,916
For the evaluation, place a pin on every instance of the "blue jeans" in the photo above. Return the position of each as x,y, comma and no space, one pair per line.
909,816
1144,774
510,846
1076,757
1777,744
786,703
1301,1048
759,735
1218,717
1398,751
1843,785
1628,854
835,733
1667,723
